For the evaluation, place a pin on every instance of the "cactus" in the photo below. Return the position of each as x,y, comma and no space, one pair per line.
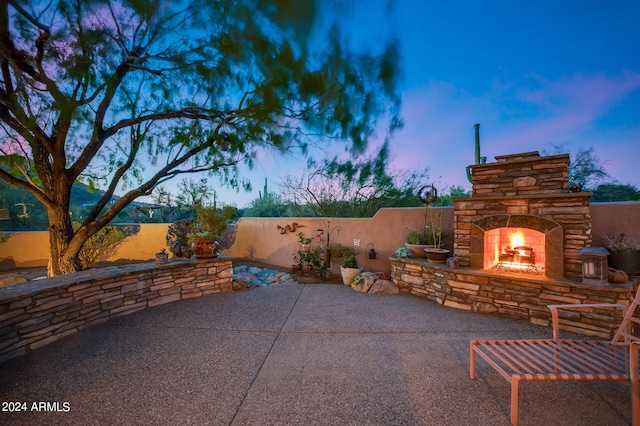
479,159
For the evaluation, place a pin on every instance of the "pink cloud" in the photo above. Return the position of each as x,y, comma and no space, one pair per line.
439,120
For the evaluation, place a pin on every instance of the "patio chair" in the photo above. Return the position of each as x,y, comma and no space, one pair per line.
567,359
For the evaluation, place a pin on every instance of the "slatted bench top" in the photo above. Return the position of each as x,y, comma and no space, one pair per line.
554,359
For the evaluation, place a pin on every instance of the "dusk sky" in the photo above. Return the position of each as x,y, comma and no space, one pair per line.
533,74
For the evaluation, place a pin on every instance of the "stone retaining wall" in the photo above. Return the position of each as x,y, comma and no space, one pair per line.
37,313
522,298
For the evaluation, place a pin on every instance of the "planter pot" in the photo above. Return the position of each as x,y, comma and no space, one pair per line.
348,274
627,260
436,255
417,250
204,248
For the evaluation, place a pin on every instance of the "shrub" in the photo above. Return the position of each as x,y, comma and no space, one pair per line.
102,245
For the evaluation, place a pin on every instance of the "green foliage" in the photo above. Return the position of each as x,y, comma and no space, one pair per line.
309,259
615,192
102,245
416,237
350,261
340,251
302,239
267,204
212,221
446,199
435,230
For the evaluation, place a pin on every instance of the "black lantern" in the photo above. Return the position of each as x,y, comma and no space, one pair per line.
372,254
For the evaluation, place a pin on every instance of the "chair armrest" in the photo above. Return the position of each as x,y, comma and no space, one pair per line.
554,312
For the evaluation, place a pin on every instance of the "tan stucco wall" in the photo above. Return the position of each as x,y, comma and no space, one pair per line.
31,249
260,238
613,218
24,250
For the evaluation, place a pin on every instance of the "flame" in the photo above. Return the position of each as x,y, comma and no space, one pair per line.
516,239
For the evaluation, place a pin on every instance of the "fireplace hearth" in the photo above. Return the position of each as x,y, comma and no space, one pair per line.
522,217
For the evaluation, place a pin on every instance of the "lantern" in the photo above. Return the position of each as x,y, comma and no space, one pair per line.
594,265
372,254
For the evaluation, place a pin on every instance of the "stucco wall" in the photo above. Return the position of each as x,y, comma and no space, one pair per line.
31,249
261,239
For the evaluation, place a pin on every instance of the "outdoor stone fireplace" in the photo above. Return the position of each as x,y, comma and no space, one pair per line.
522,217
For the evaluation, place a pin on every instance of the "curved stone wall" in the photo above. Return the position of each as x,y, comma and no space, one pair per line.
40,312
515,296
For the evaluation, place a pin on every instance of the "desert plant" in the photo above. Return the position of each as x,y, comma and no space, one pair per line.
435,230
415,237
350,261
621,241
102,245
339,251
212,221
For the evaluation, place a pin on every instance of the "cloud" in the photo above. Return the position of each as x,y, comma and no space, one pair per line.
528,115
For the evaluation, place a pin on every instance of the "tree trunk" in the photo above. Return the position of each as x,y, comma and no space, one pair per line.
63,256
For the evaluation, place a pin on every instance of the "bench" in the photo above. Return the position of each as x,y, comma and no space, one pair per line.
567,359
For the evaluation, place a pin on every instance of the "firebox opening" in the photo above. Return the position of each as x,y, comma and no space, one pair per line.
520,250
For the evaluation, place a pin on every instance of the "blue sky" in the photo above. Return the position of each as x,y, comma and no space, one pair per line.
533,74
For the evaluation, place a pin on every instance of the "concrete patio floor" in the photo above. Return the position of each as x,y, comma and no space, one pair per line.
306,354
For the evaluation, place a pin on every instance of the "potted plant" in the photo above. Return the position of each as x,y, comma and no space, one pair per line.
349,268
624,251
435,253
211,222
307,259
417,242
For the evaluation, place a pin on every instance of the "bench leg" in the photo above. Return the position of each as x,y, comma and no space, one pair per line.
472,360
514,400
635,392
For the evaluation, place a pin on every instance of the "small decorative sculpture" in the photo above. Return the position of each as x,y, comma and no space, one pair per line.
289,228
178,251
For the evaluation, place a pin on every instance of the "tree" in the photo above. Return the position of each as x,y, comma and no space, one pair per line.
346,188
132,93
446,199
586,170
615,192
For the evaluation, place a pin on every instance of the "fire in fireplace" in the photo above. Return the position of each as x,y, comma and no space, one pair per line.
515,250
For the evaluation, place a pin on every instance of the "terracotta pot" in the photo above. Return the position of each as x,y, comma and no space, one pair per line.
204,248
436,255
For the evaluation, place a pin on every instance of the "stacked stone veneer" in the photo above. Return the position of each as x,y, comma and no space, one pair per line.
522,298
525,191
37,313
